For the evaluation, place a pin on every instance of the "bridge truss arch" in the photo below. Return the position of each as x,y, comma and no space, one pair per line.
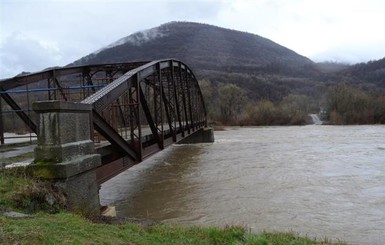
139,108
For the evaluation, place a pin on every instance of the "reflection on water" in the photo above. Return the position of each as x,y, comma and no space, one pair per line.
316,180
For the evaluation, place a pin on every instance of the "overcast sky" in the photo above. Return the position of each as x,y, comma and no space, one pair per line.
35,34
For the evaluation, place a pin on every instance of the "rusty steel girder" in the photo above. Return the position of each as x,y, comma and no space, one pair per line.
164,105
139,108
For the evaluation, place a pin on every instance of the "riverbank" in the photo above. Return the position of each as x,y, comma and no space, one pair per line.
64,228
61,227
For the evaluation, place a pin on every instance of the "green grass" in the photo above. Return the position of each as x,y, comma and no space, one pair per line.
69,228
10,183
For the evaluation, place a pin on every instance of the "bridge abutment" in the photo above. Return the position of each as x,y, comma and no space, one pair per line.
65,153
203,135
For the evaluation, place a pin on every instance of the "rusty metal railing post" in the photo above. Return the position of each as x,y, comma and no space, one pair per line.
1,123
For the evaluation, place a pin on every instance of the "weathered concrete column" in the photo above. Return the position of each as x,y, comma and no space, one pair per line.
65,153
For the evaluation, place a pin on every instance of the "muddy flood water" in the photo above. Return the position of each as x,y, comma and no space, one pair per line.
319,181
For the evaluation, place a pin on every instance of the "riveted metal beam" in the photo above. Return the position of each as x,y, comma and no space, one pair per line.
148,115
112,136
23,116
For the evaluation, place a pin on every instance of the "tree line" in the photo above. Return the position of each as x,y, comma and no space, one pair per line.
228,104
350,105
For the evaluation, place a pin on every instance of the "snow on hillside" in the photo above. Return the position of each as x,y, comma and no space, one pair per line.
137,38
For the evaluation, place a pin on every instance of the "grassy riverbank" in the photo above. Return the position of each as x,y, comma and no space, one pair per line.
68,228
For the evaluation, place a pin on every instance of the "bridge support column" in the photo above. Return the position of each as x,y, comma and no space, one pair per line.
65,153
203,135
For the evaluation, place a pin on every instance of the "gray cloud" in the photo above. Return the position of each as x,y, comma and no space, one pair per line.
194,9
21,53
57,32
352,53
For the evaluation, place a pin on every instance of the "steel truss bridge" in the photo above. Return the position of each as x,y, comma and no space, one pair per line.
138,108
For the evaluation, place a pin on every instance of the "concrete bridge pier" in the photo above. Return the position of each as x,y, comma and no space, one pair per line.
203,135
65,153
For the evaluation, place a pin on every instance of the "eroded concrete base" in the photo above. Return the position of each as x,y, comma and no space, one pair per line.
65,154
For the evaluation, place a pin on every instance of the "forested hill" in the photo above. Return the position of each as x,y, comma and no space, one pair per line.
203,47
372,73
264,69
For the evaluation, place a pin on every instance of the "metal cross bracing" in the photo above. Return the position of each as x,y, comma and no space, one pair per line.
70,84
138,108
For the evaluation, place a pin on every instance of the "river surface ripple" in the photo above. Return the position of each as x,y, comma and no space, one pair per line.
320,181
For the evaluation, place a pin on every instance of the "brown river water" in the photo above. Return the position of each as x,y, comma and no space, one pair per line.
319,181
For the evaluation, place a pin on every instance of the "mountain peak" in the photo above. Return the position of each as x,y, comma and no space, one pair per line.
140,37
